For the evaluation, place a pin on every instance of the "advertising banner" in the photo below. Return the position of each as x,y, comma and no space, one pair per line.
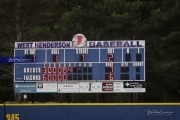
25,88
46,87
134,86
107,86
118,87
68,87
90,87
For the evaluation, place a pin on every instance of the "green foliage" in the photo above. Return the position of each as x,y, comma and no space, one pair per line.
156,21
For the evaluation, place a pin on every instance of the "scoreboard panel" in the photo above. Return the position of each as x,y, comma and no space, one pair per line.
80,65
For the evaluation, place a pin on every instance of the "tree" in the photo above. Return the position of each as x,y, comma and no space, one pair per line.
156,21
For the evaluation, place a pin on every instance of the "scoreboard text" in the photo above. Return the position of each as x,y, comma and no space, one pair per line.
77,62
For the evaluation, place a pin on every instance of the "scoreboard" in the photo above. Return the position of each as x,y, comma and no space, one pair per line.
80,66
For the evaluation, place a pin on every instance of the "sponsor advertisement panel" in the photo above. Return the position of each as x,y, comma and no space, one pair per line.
90,87
134,86
46,87
68,87
118,87
107,86
81,87
25,88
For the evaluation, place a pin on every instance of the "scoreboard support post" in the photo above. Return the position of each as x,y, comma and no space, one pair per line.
25,97
135,97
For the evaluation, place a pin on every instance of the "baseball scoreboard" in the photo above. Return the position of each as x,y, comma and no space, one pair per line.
80,66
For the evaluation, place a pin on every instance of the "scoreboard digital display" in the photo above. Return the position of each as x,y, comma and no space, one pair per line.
79,66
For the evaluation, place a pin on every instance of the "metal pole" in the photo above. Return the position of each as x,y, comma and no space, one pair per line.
25,98
4,110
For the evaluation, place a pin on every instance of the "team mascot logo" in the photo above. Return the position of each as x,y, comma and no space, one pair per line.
79,40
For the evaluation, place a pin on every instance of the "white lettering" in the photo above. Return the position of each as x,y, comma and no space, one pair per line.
138,64
32,77
32,70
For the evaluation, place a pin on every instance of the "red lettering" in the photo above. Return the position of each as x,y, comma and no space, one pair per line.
69,69
110,57
111,77
59,69
56,58
64,70
82,58
44,69
49,69
111,69
59,77
44,77
54,77
64,76
54,69
49,77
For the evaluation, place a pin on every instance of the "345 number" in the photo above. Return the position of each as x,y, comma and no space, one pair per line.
12,116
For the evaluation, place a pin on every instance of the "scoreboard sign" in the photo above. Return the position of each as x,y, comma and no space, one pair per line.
80,66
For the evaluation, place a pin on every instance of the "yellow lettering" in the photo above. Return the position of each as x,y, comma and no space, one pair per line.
16,117
12,117
8,116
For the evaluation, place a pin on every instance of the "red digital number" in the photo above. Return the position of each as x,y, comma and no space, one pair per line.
44,77
54,69
64,70
110,57
82,58
111,69
49,78
64,77
59,77
49,70
69,69
111,77
59,69
55,58
49,73
44,70
54,78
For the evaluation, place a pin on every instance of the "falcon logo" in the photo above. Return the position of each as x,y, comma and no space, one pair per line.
79,40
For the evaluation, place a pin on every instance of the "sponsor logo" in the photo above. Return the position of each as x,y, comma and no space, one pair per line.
107,86
24,86
134,84
158,112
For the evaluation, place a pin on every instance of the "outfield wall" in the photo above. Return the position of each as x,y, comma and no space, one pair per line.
96,111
